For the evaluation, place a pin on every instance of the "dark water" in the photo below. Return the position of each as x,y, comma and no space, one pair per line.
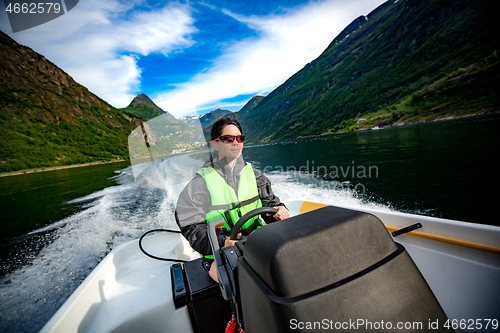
57,226
33,200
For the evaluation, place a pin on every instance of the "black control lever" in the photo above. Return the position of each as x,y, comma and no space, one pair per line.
224,283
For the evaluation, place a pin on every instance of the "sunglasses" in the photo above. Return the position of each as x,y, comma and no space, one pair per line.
231,138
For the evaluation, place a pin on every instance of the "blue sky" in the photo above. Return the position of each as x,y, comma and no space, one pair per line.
189,56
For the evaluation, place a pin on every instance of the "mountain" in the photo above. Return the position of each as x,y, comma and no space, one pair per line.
205,120
143,107
251,104
466,91
378,61
209,118
48,119
190,120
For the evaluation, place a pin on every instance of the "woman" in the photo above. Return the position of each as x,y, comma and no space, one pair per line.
227,187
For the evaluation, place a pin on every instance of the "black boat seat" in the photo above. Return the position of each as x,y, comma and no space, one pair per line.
330,264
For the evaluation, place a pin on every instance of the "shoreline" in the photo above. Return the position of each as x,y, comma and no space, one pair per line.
54,168
36,170
385,127
408,123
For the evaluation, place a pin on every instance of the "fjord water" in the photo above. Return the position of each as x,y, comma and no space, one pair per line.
58,225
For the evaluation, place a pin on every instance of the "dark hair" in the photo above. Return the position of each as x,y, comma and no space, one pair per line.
219,125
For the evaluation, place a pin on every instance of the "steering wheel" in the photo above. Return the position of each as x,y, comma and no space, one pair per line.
236,229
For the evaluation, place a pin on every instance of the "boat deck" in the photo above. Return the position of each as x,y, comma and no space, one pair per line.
130,292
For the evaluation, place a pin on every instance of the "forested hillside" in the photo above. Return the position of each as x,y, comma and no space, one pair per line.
48,119
395,52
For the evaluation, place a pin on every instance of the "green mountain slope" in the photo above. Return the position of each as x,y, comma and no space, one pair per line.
376,62
471,90
48,119
250,105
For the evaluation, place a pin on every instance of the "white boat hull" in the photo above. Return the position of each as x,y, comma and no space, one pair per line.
129,292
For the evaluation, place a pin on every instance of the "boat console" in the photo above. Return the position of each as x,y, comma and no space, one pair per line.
331,266
193,287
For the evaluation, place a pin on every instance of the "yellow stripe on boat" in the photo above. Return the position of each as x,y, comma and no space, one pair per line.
449,240
310,206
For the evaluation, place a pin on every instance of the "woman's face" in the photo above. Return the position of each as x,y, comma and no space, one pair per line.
232,150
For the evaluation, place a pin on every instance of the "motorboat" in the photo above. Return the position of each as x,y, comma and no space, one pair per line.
326,267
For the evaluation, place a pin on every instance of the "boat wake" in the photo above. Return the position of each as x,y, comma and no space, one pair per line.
74,246
71,248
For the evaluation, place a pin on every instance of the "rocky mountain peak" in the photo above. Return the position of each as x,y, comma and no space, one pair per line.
143,99
142,106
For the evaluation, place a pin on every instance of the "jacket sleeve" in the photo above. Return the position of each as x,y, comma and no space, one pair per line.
266,194
193,205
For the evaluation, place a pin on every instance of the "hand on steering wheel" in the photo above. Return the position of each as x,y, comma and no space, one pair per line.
230,242
236,229
282,213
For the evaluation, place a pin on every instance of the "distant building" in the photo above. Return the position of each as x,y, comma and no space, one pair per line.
361,120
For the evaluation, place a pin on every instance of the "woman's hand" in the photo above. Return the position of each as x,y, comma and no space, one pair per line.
229,242
282,213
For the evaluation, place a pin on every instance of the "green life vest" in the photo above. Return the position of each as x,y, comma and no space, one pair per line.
229,205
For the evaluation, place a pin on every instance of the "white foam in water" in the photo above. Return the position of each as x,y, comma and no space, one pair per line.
32,294
304,186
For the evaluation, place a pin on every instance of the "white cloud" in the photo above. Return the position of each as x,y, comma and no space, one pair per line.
257,65
97,41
